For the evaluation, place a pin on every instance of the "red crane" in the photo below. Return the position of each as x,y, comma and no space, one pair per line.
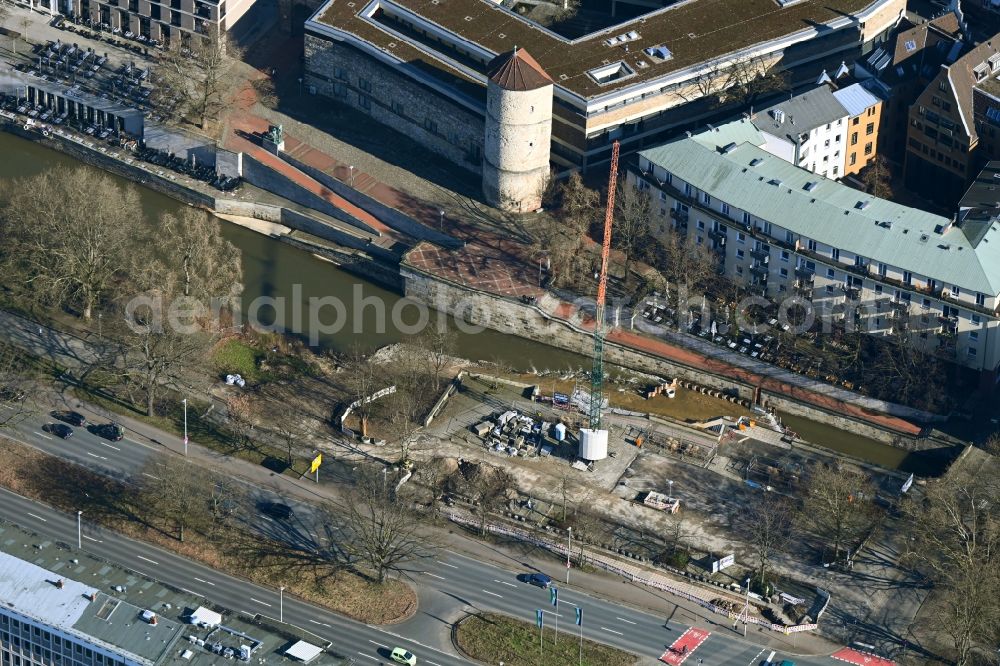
597,374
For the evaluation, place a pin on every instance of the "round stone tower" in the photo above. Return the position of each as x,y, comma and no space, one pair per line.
518,132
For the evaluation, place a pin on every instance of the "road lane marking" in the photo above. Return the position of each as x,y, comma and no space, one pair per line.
367,656
624,620
503,582
151,476
151,448
94,455
493,593
38,517
432,663
756,660
184,589
262,603
446,564
206,582
110,447
41,435
92,538
385,647
147,559
612,631
327,626
428,573
315,622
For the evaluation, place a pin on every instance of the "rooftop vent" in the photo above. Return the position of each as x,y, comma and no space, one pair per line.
923,238
660,52
980,71
775,181
910,45
728,148
885,224
861,205
778,115
994,62
755,161
810,186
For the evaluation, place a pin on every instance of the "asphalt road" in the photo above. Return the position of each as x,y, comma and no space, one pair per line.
448,584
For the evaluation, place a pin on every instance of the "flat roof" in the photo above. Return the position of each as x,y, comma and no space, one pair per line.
694,31
829,212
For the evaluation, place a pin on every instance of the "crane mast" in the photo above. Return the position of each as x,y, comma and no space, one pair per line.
597,373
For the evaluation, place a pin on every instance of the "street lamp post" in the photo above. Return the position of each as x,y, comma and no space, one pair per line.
441,220
281,604
746,609
569,549
670,488
351,167
79,530
185,403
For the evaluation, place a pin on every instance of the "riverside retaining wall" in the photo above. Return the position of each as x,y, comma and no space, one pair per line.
516,318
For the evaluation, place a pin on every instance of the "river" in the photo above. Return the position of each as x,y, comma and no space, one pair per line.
273,268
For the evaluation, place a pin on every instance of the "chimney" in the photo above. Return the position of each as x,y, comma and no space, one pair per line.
60,583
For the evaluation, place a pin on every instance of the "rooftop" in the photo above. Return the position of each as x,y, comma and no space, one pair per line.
517,70
657,43
801,113
832,213
856,99
114,617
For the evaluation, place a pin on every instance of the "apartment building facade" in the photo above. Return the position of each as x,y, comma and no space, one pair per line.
829,131
420,67
795,237
171,22
947,142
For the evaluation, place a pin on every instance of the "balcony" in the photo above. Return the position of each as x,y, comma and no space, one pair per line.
760,253
679,215
717,235
805,274
803,288
859,270
760,270
852,291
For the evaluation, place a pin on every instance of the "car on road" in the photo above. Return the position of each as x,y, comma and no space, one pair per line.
60,430
109,431
403,656
276,510
539,579
73,418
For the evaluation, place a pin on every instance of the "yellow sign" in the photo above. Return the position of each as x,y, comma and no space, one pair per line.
316,463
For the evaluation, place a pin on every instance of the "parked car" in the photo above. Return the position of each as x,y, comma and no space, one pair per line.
110,431
73,418
403,656
539,579
60,430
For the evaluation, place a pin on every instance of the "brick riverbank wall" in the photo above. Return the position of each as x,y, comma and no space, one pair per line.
638,352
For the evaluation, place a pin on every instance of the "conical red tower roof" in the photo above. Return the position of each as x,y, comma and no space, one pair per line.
517,70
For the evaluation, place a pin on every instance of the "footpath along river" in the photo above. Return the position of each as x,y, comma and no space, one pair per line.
271,268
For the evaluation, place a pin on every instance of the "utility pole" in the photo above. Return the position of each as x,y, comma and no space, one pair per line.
281,604
185,403
79,530
569,549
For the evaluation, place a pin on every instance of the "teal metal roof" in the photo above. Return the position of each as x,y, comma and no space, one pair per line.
831,213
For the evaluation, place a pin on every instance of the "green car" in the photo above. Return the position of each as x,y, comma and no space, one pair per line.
401,656
785,662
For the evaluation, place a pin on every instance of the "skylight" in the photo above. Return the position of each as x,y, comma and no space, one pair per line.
910,45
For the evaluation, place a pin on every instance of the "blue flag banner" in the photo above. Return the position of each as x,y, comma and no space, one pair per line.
554,596
579,616
538,618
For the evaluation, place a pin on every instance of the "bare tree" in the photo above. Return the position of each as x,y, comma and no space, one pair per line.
706,83
749,77
488,488
560,239
404,410
438,349
17,391
630,226
362,381
767,521
956,543
206,264
992,444
65,244
838,507
242,414
685,263
877,178
198,80
176,492
383,529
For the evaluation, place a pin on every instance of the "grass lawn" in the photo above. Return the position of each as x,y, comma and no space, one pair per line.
234,356
494,638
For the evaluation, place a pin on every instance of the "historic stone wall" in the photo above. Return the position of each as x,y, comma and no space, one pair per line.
359,81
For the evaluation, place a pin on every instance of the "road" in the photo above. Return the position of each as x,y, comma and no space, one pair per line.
449,585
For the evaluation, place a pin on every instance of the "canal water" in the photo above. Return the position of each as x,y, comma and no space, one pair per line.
276,269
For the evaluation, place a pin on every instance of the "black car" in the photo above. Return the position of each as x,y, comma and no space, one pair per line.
60,430
73,418
110,431
276,510
541,580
